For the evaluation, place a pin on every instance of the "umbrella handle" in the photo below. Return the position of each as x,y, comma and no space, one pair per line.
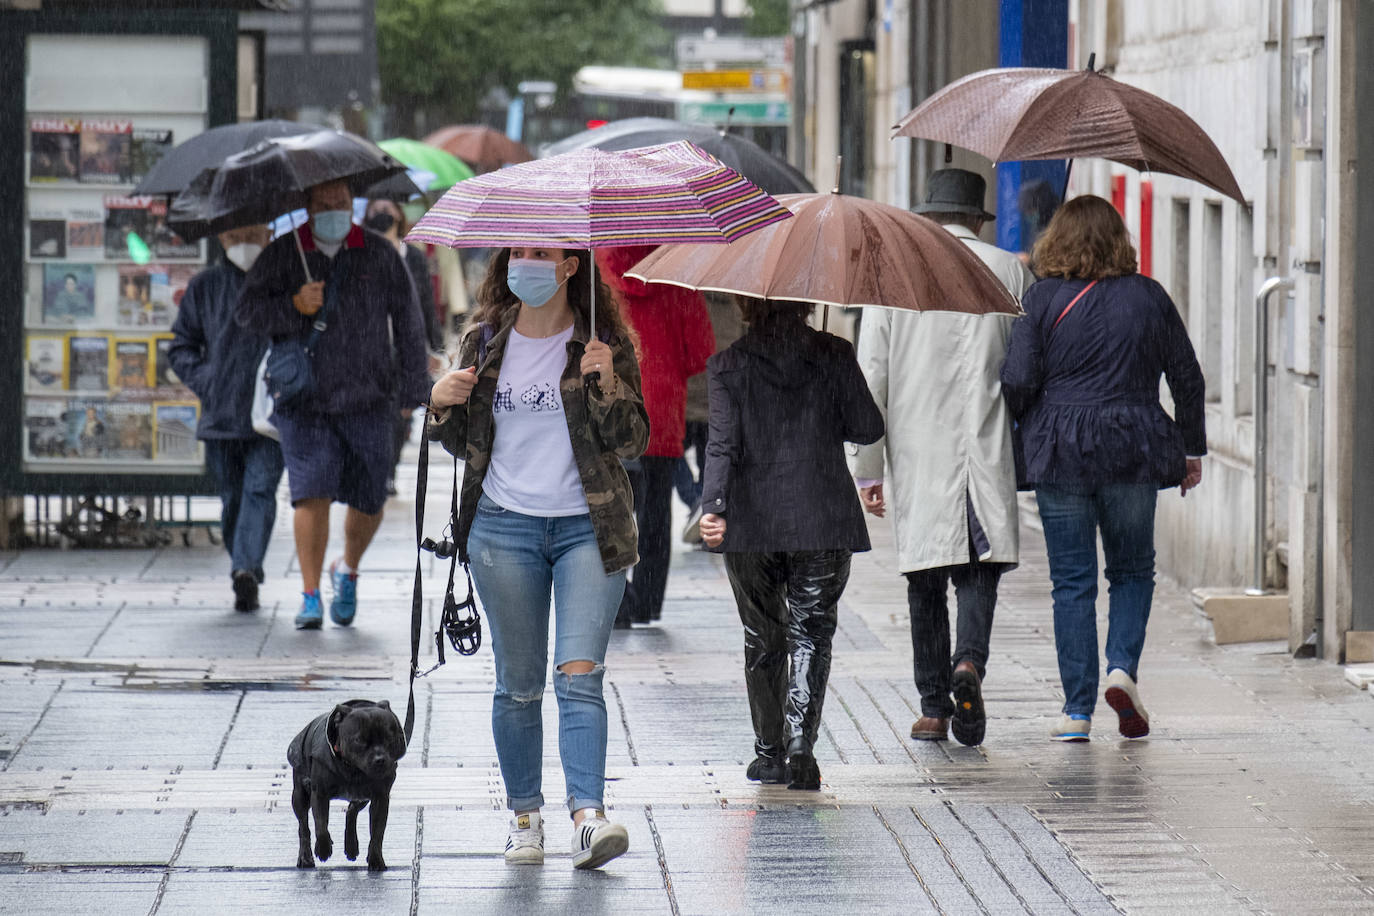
592,378
300,249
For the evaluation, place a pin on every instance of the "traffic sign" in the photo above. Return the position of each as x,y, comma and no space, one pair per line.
736,80
760,113
693,51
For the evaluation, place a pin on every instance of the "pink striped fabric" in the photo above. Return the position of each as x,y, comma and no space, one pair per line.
591,198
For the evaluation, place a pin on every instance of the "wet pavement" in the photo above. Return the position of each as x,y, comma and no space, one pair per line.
144,730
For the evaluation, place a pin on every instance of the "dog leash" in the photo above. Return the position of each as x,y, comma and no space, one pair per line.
459,620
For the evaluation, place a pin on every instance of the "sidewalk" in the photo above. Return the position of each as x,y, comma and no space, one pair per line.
143,744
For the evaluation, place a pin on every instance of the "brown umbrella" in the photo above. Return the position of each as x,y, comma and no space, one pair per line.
839,250
479,146
1017,113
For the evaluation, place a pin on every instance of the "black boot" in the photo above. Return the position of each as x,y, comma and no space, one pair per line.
767,770
245,590
802,771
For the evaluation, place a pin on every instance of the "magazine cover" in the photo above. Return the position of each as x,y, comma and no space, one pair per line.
84,429
175,431
168,286
165,242
47,238
132,364
135,304
54,149
128,431
128,227
45,429
147,146
105,148
45,366
88,362
68,293
86,234
163,376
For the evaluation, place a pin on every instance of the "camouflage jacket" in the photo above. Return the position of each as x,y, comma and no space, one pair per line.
603,432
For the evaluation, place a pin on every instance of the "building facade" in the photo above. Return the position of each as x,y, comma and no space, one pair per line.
1278,86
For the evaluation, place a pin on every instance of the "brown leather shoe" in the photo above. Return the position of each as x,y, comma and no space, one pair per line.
929,728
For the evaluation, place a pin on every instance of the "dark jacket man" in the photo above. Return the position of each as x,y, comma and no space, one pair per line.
373,310
215,359
784,398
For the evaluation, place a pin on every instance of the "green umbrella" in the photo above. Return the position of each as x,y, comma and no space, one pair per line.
446,168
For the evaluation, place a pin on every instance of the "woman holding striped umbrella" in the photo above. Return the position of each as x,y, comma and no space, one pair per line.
546,508
544,403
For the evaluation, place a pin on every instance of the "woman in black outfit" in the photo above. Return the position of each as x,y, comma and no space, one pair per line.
784,399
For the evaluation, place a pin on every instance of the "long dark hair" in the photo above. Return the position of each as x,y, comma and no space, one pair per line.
495,300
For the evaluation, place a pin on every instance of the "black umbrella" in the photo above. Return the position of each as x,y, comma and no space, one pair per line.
174,172
273,178
752,161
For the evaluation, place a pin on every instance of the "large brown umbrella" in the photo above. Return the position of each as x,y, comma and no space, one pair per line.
479,146
839,250
1017,113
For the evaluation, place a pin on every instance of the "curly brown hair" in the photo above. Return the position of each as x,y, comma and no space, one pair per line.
495,300
1086,240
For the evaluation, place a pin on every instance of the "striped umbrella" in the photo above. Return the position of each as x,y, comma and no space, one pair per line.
591,198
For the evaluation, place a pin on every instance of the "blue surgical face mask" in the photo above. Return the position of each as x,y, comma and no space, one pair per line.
332,225
533,282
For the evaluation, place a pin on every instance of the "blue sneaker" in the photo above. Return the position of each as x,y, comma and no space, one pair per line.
311,616
345,603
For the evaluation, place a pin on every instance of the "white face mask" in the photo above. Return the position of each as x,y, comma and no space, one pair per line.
243,255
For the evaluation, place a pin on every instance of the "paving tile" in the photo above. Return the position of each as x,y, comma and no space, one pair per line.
138,702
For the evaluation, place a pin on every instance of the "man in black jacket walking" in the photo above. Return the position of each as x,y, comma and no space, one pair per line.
218,361
370,359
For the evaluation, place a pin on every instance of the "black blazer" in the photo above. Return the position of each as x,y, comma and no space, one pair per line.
784,399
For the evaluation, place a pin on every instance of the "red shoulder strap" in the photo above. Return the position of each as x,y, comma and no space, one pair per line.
1083,293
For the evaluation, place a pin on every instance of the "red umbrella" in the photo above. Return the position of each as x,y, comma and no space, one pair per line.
1017,113
479,146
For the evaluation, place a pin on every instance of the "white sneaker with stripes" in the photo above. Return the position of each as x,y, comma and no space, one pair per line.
525,842
597,841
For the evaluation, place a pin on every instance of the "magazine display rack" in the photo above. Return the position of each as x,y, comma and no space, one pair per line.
104,275
95,276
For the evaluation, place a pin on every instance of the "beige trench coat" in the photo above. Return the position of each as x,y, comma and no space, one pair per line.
934,376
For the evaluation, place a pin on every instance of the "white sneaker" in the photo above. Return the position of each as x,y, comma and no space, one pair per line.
1132,719
525,842
597,841
1070,728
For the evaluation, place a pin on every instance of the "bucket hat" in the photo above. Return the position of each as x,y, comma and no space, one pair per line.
955,191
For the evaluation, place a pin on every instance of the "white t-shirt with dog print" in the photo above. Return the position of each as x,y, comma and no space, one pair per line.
532,469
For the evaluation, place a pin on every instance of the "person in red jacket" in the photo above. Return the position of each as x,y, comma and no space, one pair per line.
675,340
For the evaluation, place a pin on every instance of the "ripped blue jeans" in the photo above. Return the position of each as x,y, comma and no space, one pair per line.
517,561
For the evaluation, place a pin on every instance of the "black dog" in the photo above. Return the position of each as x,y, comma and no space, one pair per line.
348,753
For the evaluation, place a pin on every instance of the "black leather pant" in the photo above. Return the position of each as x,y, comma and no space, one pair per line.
787,603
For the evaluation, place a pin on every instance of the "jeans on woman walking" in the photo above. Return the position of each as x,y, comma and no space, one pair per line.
248,471
517,560
1072,517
